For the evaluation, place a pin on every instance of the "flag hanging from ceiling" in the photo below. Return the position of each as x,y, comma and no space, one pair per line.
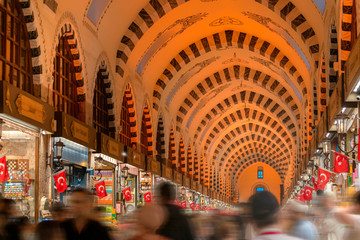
341,163
127,194
308,193
183,205
323,178
315,184
100,189
147,197
60,181
4,174
302,196
192,206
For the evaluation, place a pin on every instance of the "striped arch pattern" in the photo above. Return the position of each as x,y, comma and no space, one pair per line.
190,163
172,149
236,72
206,179
267,136
248,114
310,119
128,97
346,32
223,40
315,109
181,158
196,167
260,144
292,15
145,19
148,130
250,97
33,35
333,57
69,32
323,89
109,94
240,161
160,140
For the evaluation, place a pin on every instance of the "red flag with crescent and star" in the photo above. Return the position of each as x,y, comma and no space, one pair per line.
323,178
308,193
127,194
4,174
147,197
60,181
197,206
302,196
341,163
192,206
100,189
315,184
183,204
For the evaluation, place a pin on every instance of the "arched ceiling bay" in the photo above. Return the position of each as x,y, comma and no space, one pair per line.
233,76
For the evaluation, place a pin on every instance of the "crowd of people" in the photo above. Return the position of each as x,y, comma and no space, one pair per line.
262,218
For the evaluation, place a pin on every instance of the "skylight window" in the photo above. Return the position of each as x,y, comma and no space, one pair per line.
96,9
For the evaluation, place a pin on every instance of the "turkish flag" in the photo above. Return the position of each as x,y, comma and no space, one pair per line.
315,184
127,194
308,193
60,181
147,197
192,206
298,197
341,163
100,189
176,202
302,196
4,174
197,206
183,204
323,178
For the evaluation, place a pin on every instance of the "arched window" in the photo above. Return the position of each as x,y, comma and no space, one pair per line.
172,150
160,141
64,88
15,51
260,173
260,188
182,156
125,123
100,106
145,138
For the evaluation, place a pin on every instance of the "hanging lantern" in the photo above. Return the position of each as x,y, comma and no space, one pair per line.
125,172
327,146
59,146
341,123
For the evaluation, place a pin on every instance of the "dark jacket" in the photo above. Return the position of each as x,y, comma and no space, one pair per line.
177,226
93,230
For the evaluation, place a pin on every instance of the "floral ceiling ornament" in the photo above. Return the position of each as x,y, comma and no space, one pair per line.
226,20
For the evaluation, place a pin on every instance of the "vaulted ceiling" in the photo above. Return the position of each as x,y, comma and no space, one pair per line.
234,76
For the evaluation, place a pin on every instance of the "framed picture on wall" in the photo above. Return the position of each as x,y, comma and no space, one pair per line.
130,183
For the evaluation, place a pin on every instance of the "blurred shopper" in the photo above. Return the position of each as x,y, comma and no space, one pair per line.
83,226
176,225
302,227
149,219
265,213
324,208
351,218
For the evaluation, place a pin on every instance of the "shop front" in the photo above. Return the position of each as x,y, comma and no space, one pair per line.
153,167
24,122
78,141
135,161
106,164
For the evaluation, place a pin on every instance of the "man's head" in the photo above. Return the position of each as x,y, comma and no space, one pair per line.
81,201
166,192
357,201
265,208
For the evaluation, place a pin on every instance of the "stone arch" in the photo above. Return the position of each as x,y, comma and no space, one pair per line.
346,35
333,57
146,119
226,39
160,140
130,103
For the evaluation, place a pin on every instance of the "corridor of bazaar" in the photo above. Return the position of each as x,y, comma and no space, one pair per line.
179,119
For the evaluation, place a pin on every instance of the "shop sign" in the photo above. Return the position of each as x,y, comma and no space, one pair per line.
352,71
135,158
75,130
110,147
23,106
153,166
166,172
178,177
